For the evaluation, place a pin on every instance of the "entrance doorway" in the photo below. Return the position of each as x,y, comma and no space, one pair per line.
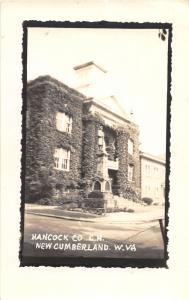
113,176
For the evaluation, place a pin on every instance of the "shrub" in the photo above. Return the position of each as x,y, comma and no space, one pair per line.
70,206
45,201
94,203
116,209
66,205
147,200
130,193
99,211
67,198
95,194
130,210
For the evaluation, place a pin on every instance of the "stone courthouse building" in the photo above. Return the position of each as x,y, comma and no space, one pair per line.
79,139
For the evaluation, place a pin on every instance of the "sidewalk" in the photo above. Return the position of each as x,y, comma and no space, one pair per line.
155,213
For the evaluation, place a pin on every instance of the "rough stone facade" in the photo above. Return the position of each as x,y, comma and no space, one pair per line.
99,155
46,96
129,189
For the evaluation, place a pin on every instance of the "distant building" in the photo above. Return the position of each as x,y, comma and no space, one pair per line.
152,177
79,140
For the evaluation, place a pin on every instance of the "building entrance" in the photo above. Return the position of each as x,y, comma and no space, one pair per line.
113,176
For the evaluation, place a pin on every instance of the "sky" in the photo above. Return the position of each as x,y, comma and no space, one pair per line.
136,64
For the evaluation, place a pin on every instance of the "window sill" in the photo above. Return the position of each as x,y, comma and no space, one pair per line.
63,131
64,170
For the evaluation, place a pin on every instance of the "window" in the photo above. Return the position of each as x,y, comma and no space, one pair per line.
156,171
156,191
130,146
97,186
130,172
107,186
147,170
100,143
62,159
100,139
63,122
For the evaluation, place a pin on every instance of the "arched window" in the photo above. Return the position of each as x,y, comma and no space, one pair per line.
107,186
97,186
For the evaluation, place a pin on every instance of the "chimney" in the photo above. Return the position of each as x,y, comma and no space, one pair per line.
91,80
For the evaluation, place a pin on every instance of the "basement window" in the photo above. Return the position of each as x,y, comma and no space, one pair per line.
62,159
63,122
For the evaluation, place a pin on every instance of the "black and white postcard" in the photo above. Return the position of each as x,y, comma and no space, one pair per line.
94,145
95,149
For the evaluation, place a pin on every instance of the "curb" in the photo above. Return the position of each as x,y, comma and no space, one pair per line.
91,220
60,217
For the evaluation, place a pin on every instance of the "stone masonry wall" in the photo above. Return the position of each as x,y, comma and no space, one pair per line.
129,189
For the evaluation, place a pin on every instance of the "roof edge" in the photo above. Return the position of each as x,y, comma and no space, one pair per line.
49,79
152,157
89,64
124,118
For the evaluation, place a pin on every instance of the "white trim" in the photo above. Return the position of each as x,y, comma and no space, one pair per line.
63,122
62,159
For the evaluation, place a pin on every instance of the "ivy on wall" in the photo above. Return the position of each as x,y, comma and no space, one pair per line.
128,189
122,138
45,98
91,124
111,143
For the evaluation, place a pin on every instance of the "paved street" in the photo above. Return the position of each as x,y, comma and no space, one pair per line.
91,239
